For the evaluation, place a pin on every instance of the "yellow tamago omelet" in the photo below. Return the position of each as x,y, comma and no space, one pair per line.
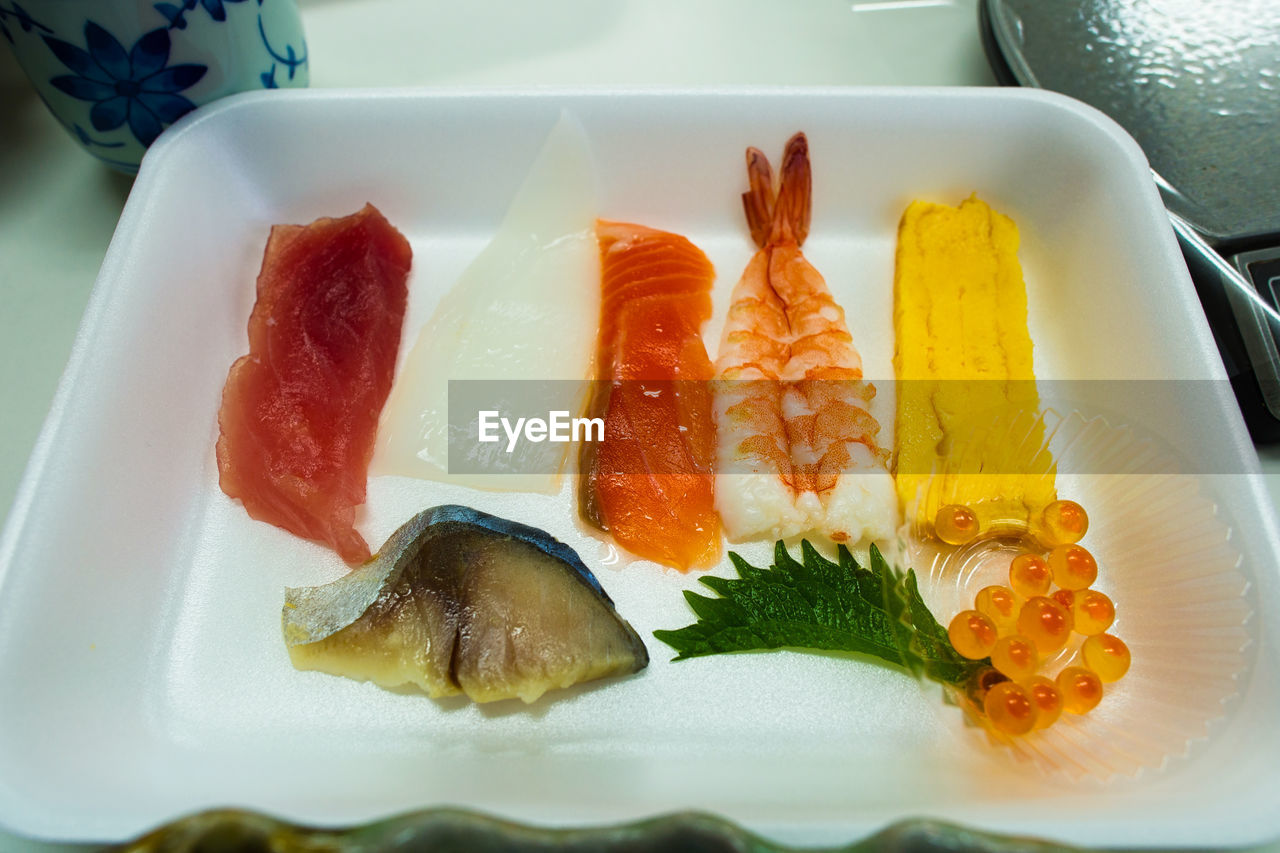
968,426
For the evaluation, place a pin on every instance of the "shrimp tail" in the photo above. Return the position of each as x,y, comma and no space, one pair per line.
759,201
791,215
778,216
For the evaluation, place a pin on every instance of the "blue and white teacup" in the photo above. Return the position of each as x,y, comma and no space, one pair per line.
115,73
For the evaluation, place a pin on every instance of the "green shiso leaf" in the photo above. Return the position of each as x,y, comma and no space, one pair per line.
817,603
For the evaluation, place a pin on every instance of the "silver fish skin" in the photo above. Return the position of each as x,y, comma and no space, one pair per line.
460,601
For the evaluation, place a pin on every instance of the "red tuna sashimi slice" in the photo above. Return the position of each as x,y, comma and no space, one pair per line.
300,411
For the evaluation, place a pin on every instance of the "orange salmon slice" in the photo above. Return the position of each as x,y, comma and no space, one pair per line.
650,483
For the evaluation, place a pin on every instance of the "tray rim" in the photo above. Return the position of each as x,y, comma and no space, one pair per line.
1266,826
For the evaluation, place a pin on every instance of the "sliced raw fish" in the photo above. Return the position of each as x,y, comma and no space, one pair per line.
649,483
459,601
300,411
524,312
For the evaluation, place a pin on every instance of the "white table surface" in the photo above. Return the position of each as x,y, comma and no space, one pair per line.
58,206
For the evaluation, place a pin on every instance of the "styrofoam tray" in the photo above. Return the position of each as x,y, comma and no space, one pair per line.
143,673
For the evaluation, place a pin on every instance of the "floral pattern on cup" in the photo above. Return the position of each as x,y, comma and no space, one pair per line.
177,15
18,16
127,90
137,86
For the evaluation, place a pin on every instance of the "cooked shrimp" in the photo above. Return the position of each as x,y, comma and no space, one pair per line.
795,435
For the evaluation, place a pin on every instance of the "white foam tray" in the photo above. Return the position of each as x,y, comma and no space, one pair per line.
142,669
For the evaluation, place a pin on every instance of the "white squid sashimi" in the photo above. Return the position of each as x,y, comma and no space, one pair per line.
524,312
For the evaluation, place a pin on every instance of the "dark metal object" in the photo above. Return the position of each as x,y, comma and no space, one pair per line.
1197,83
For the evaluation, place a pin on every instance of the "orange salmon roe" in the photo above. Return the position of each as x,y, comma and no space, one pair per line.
1029,575
1081,689
1047,698
1093,612
1107,655
1073,567
998,604
1045,623
1017,625
955,524
1010,709
1016,657
1066,598
972,634
982,681
1065,523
